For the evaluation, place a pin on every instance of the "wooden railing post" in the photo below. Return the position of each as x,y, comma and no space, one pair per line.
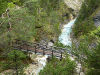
61,56
52,54
35,50
43,52
27,48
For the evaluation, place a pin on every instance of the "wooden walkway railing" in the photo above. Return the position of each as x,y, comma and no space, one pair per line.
41,49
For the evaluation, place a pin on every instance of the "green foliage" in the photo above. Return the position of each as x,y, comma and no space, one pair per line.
15,59
22,25
3,6
94,61
33,21
56,67
49,5
11,5
17,2
84,27
84,22
88,7
19,55
47,17
88,55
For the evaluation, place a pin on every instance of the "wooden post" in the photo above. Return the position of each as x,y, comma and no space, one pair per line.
35,50
29,55
61,56
52,54
20,48
27,48
43,52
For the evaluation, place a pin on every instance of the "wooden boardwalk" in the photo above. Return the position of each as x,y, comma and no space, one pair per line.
41,49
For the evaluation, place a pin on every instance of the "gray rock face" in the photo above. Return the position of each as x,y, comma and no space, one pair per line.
50,44
97,19
74,4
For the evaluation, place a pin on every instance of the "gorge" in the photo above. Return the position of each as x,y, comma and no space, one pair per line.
49,37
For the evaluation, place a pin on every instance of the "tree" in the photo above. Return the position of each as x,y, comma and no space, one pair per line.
15,59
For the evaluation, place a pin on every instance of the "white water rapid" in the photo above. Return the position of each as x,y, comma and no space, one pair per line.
38,64
42,61
65,35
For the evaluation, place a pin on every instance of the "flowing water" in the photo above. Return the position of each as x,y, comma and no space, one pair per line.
42,61
34,69
65,35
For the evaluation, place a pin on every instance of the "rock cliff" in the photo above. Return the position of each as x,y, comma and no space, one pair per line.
74,4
